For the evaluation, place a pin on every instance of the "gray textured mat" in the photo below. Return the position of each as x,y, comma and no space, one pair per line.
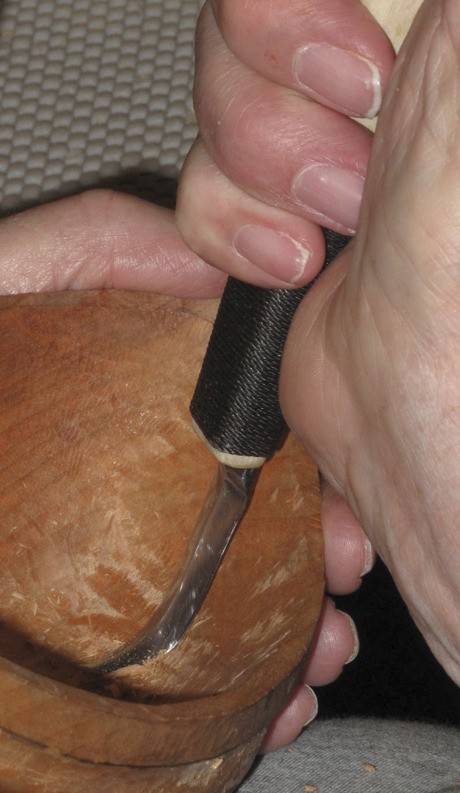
363,756
93,93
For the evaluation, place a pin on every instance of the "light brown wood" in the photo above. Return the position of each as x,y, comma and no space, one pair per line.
101,481
395,16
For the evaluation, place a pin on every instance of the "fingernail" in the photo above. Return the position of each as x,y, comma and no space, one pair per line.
272,251
369,558
344,79
332,193
354,631
314,704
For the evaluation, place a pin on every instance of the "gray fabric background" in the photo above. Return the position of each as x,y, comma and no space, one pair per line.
363,756
94,93
98,93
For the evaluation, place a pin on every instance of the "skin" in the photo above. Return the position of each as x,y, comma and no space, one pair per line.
380,329
257,134
383,330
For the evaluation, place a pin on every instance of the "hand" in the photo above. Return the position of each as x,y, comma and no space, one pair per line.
108,240
101,240
275,158
381,332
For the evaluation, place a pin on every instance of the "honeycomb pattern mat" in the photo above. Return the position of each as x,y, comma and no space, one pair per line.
94,93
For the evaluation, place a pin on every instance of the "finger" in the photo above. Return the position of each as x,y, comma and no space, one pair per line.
336,644
331,50
287,151
300,710
307,367
240,234
348,554
101,239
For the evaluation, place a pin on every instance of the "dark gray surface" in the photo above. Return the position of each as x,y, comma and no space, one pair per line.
395,675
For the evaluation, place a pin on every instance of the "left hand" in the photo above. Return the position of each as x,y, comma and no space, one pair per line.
101,240
105,240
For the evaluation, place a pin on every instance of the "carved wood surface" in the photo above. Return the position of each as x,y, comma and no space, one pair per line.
101,481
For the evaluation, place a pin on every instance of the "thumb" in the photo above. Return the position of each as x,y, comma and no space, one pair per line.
101,240
313,392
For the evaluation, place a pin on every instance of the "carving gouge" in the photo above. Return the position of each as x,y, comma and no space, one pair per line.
235,411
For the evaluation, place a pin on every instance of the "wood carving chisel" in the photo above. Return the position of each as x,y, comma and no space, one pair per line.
236,412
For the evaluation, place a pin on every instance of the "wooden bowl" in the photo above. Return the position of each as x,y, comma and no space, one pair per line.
101,481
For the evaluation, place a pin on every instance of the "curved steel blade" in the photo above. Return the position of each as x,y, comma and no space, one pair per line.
226,502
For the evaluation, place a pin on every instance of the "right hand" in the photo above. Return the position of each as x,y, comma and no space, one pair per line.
244,203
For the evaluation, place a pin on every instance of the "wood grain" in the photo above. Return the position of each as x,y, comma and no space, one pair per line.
101,481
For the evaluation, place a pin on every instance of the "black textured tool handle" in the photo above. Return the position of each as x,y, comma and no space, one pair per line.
235,405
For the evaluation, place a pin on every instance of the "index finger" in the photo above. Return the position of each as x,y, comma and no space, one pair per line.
307,45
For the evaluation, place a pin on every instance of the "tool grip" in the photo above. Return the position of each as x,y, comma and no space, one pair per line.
235,405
